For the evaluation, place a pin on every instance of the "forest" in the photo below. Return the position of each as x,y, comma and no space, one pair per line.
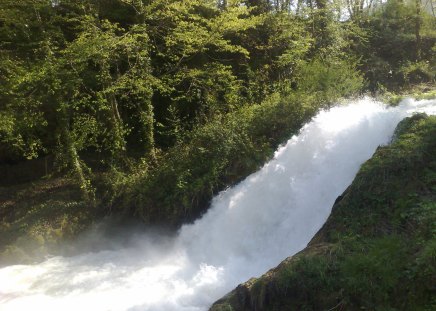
148,108
154,154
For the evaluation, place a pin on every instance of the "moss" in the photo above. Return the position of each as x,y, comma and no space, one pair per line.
381,235
417,91
36,217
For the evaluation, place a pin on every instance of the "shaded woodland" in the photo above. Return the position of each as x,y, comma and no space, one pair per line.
152,107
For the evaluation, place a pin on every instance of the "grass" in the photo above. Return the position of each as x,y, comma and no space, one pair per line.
419,92
377,250
36,217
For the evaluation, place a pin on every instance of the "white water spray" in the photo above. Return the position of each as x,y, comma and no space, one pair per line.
248,229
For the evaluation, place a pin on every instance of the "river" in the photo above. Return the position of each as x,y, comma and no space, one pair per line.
248,229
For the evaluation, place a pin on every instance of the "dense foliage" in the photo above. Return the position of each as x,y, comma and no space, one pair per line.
157,105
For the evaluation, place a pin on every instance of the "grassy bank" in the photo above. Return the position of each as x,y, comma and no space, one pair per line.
377,249
417,91
215,156
38,213
36,217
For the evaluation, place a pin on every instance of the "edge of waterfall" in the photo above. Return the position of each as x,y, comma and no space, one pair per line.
376,249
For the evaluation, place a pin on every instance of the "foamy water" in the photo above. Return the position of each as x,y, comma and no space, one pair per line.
249,228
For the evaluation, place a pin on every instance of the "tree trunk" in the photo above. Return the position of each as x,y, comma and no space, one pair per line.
118,147
117,126
73,159
147,122
418,29
322,21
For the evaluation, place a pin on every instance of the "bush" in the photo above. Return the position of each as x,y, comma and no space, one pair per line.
231,146
215,155
417,72
329,80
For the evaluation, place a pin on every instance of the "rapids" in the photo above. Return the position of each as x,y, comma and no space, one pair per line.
248,229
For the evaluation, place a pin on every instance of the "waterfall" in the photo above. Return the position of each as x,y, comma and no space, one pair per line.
248,229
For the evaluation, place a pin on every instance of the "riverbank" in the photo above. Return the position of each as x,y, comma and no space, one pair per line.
39,215
376,251
36,217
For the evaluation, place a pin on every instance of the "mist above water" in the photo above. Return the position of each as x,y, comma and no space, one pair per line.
248,229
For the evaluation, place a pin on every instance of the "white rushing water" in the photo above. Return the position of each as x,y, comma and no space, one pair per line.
248,229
